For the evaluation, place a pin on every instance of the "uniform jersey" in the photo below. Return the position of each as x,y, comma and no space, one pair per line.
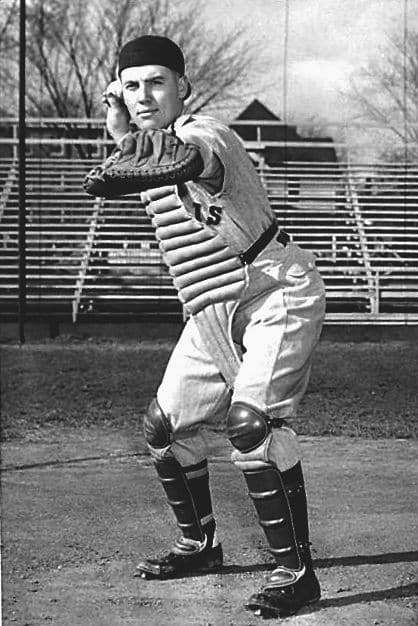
240,210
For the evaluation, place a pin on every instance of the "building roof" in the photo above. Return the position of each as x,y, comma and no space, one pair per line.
256,110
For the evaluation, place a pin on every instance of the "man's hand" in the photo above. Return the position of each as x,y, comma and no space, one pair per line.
117,119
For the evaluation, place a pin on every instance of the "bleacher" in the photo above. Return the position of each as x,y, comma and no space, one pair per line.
388,201
312,206
83,255
8,232
90,258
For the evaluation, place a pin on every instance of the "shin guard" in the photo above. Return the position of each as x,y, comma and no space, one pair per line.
187,491
294,486
271,500
197,550
280,500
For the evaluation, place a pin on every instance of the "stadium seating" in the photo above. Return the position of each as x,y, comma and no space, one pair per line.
387,204
90,257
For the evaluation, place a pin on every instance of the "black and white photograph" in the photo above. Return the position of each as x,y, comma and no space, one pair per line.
209,312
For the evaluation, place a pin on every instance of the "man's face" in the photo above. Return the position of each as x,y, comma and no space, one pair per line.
153,95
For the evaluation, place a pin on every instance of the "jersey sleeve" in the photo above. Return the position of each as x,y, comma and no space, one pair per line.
204,134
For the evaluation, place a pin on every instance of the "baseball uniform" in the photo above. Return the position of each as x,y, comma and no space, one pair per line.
253,339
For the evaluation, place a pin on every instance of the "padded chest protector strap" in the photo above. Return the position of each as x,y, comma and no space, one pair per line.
203,268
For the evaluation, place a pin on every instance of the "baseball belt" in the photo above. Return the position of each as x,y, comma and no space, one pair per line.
251,253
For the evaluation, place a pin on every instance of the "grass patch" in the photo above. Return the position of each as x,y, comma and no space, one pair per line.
356,389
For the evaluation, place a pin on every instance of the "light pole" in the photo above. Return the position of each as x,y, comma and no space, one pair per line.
22,171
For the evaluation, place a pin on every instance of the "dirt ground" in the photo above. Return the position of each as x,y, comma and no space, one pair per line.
81,503
78,516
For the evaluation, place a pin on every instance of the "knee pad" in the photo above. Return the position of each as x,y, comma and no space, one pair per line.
157,428
258,440
247,427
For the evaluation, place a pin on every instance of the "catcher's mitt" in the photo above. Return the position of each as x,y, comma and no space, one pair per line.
144,160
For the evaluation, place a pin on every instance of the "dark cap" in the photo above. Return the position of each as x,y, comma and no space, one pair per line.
151,50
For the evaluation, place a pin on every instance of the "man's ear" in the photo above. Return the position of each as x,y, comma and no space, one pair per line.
184,87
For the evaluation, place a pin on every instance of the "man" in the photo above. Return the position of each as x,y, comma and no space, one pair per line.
256,305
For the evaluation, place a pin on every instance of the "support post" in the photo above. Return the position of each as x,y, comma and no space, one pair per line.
22,172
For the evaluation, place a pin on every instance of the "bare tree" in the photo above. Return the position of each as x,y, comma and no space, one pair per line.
9,52
73,47
386,95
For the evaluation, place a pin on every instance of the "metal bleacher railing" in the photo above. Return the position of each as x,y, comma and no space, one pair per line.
361,221
90,258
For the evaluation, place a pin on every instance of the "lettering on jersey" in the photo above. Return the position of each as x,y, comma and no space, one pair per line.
215,214
213,217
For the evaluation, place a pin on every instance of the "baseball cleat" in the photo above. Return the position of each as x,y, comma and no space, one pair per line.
274,601
171,565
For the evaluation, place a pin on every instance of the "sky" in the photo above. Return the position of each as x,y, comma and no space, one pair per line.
327,42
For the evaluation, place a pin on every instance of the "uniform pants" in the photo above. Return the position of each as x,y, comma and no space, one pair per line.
275,330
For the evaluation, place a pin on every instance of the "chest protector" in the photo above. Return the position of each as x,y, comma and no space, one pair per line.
204,270
208,276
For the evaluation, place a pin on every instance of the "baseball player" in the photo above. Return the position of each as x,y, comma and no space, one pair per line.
255,302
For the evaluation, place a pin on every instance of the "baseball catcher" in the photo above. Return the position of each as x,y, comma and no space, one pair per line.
256,305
